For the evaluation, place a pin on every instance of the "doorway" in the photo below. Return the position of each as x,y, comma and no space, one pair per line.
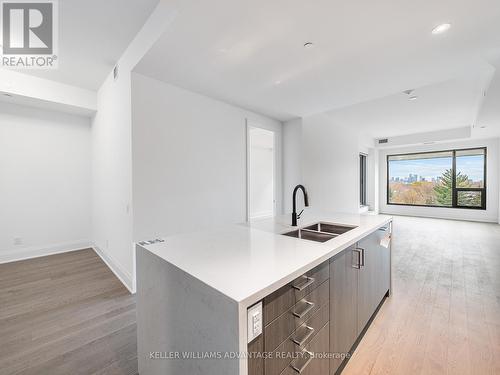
261,173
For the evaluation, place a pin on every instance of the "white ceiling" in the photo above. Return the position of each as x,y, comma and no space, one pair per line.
93,34
445,105
236,51
47,105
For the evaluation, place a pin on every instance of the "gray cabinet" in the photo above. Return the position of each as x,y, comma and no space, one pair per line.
343,305
323,311
367,279
359,280
374,276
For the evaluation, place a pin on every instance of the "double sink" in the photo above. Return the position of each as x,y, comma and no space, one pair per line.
320,232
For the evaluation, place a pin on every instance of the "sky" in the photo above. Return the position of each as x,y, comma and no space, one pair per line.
472,166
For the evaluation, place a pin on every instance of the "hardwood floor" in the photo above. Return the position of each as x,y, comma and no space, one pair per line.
65,314
68,314
444,314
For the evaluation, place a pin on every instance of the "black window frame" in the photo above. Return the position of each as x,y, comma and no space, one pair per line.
362,179
455,190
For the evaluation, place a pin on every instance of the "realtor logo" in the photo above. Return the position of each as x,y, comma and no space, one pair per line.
29,34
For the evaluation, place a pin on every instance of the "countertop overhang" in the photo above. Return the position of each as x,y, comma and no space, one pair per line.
246,262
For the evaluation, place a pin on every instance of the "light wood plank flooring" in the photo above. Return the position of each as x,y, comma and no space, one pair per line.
65,314
68,314
444,314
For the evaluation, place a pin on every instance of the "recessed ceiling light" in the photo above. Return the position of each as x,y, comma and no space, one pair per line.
414,97
277,82
308,44
439,29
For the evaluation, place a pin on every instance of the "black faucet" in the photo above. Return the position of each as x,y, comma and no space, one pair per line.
306,202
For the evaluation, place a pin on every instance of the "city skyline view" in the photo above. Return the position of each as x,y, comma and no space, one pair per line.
433,168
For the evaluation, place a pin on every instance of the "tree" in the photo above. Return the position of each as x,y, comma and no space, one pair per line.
444,190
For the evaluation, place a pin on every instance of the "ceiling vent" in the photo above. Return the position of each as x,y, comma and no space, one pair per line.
383,141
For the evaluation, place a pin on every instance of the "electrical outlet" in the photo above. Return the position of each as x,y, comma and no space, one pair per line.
254,321
18,241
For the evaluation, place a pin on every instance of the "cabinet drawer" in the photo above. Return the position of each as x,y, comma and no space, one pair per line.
281,300
316,363
278,302
305,284
283,326
285,352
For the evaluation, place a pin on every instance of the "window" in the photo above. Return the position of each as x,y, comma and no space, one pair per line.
454,179
362,179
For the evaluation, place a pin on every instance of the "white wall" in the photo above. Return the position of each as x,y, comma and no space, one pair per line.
112,225
112,177
45,182
492,183
330,165
49,94
189,159
292,162
323,156
446,135
489,113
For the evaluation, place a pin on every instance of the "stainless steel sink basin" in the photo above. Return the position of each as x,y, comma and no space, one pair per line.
333,228
311,235
320,232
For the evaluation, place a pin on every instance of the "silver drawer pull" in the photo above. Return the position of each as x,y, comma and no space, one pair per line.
308,308
303,367
300,342
362,263
309,281
358,261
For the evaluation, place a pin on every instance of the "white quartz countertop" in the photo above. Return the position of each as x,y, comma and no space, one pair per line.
248,261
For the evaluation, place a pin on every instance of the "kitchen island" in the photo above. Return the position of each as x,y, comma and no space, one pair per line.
194,292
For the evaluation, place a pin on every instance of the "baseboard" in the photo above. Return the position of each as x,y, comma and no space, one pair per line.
15,255
454,218
116,268
262,215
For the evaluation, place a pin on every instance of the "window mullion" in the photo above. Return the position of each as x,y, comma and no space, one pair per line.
454,196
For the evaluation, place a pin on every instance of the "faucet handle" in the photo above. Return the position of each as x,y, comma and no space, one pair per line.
300,213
